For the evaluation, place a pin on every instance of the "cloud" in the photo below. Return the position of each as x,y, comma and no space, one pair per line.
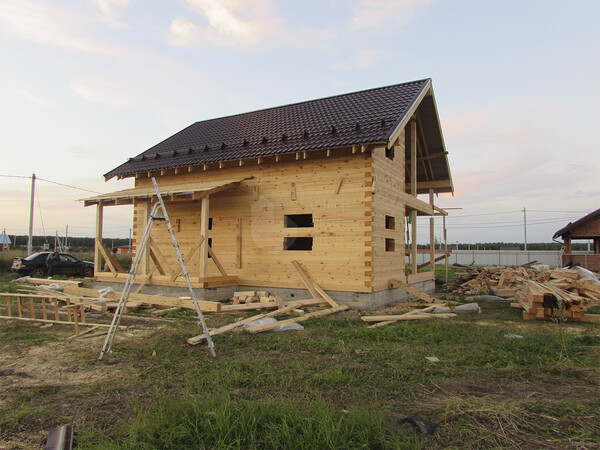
230,22
363,59
373,14
50,25
38,101
103,93
109,8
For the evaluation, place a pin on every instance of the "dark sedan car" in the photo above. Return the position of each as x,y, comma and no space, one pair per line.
35,266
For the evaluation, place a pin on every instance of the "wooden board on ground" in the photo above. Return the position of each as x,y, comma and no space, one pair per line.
411,290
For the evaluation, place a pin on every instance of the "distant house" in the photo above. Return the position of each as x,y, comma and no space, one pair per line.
4,241
587,227
330,184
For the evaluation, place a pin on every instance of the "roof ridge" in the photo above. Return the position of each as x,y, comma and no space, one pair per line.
313,100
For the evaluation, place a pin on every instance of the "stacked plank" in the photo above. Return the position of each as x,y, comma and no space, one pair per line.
416,314
503,281
246,297
542,293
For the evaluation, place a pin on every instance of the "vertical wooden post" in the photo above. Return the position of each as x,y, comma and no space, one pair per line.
19,306
99,223
8,309
238,255
56,317
445,249
413,158
31,310
75,320
413,256
204,211
82,312
44,315
69,310
431,235
141,225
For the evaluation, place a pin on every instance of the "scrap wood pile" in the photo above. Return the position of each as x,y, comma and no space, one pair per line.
319,298
542,292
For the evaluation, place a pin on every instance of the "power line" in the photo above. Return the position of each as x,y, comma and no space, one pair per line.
52,182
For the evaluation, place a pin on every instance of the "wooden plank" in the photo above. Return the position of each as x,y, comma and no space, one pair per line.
216,261
324,294
320,313
158,257
415,316
188,257
306,280
82,333
165,311
238,239
592,318
62,322
145,280
412,290
204,216
99,222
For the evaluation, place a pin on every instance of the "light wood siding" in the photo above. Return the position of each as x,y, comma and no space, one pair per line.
340,257
389,182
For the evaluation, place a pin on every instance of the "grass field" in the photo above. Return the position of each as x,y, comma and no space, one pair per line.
336,384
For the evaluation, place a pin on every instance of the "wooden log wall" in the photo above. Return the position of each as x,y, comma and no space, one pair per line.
389,176
250,219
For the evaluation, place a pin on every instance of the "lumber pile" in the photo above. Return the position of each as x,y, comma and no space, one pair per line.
542,293
415,314
247,297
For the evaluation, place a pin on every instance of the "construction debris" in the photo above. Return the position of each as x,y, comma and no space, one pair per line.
543,293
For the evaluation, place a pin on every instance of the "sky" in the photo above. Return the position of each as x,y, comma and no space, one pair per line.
84,85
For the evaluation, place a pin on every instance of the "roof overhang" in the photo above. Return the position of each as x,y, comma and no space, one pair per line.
424,110
193,191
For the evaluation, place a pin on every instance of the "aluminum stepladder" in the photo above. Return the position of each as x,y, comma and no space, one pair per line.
114,326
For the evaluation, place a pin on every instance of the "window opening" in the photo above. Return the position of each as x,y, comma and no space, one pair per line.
298,243
298,221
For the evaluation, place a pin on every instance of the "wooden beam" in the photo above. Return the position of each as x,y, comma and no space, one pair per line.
413,158
145,280
413,253
306,280
412,290
216,261
99,224
431,234
158,257
429,157
204,212
320,313
324,294
238,247
188,257
339,186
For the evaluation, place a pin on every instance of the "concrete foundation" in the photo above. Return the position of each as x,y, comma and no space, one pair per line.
358,300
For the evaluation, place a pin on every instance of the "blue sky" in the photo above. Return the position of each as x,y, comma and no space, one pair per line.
86,84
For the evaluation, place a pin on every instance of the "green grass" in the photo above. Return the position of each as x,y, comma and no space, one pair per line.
337,384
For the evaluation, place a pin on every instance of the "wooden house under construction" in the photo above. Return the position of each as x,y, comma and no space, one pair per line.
331,183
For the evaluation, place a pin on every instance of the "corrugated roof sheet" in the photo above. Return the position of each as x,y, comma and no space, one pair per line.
369,116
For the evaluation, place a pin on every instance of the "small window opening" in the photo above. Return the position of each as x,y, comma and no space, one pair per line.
389,152
390,223
298,243
299,221
210,223
390,245
210,245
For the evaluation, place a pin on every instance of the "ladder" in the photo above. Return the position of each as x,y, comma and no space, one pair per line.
114,326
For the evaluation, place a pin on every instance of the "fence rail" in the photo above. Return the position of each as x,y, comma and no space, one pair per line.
501,257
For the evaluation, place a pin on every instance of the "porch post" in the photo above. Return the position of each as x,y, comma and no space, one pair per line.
204,211
431,236
99,223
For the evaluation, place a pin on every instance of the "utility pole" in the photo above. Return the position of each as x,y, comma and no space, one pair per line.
525,226
66,237
130,241
29,240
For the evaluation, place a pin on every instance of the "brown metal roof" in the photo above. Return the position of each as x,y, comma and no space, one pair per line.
364,117
575,224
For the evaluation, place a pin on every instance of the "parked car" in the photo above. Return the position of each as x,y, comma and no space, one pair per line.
35,266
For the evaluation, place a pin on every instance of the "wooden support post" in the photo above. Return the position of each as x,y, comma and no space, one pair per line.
445,248
8,309
19,307
204,211
431,235
216,261
44,314
413,252
238,237
31,310
56,317
69,310
144,216
99,224
413,158
75,319
82,312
